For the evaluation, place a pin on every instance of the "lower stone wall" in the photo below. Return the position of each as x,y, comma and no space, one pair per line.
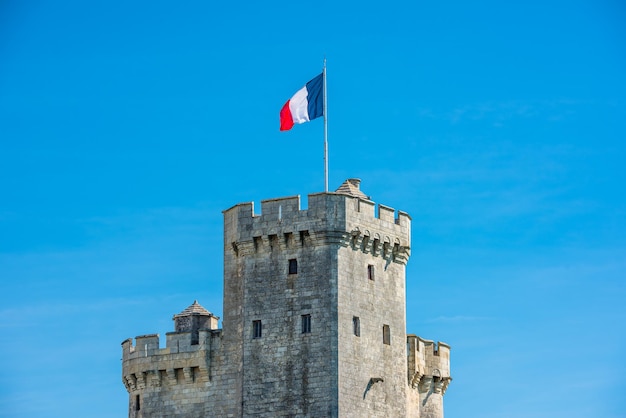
188,400
198,383
412,403
431,404
372,370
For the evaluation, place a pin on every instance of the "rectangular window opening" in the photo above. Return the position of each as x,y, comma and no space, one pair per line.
306,324
137,403
256,329
370,272
195,338
293,266
386,335
303,237
356,326
257,243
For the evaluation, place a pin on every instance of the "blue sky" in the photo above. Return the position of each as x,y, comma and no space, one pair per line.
127,127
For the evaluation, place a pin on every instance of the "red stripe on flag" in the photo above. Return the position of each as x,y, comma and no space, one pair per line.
286,120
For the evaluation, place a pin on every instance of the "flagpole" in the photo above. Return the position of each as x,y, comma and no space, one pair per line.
325,133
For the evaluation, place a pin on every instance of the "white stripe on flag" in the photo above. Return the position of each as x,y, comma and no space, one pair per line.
298,105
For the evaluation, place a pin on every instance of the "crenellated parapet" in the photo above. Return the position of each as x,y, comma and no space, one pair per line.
146,365
428,365
183,360
346,218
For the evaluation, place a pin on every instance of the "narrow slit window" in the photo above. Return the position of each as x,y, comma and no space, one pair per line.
303,237
370,272
257,329
293,266
356,326
137,403
386,335
306,324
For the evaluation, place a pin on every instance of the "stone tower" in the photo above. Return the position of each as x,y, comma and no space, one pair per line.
314,322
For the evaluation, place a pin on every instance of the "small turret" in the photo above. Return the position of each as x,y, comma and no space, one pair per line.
193,319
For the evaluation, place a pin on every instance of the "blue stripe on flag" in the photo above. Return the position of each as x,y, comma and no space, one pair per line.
315,97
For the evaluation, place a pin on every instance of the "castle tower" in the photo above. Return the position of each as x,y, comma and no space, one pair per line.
314,322
316,298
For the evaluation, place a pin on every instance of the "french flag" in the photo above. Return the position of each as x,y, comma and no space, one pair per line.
306,105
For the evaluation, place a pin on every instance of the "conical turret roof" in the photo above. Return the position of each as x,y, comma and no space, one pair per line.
351,187
194,309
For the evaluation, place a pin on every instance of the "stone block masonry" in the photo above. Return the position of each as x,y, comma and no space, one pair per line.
314,322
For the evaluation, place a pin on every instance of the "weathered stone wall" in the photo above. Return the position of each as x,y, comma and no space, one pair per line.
372,374
169,381
326,371
286,371
428,375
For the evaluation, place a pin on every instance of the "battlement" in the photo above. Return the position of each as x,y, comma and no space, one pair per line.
331,217
288,209
428,364
146,365
184,358
176,342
